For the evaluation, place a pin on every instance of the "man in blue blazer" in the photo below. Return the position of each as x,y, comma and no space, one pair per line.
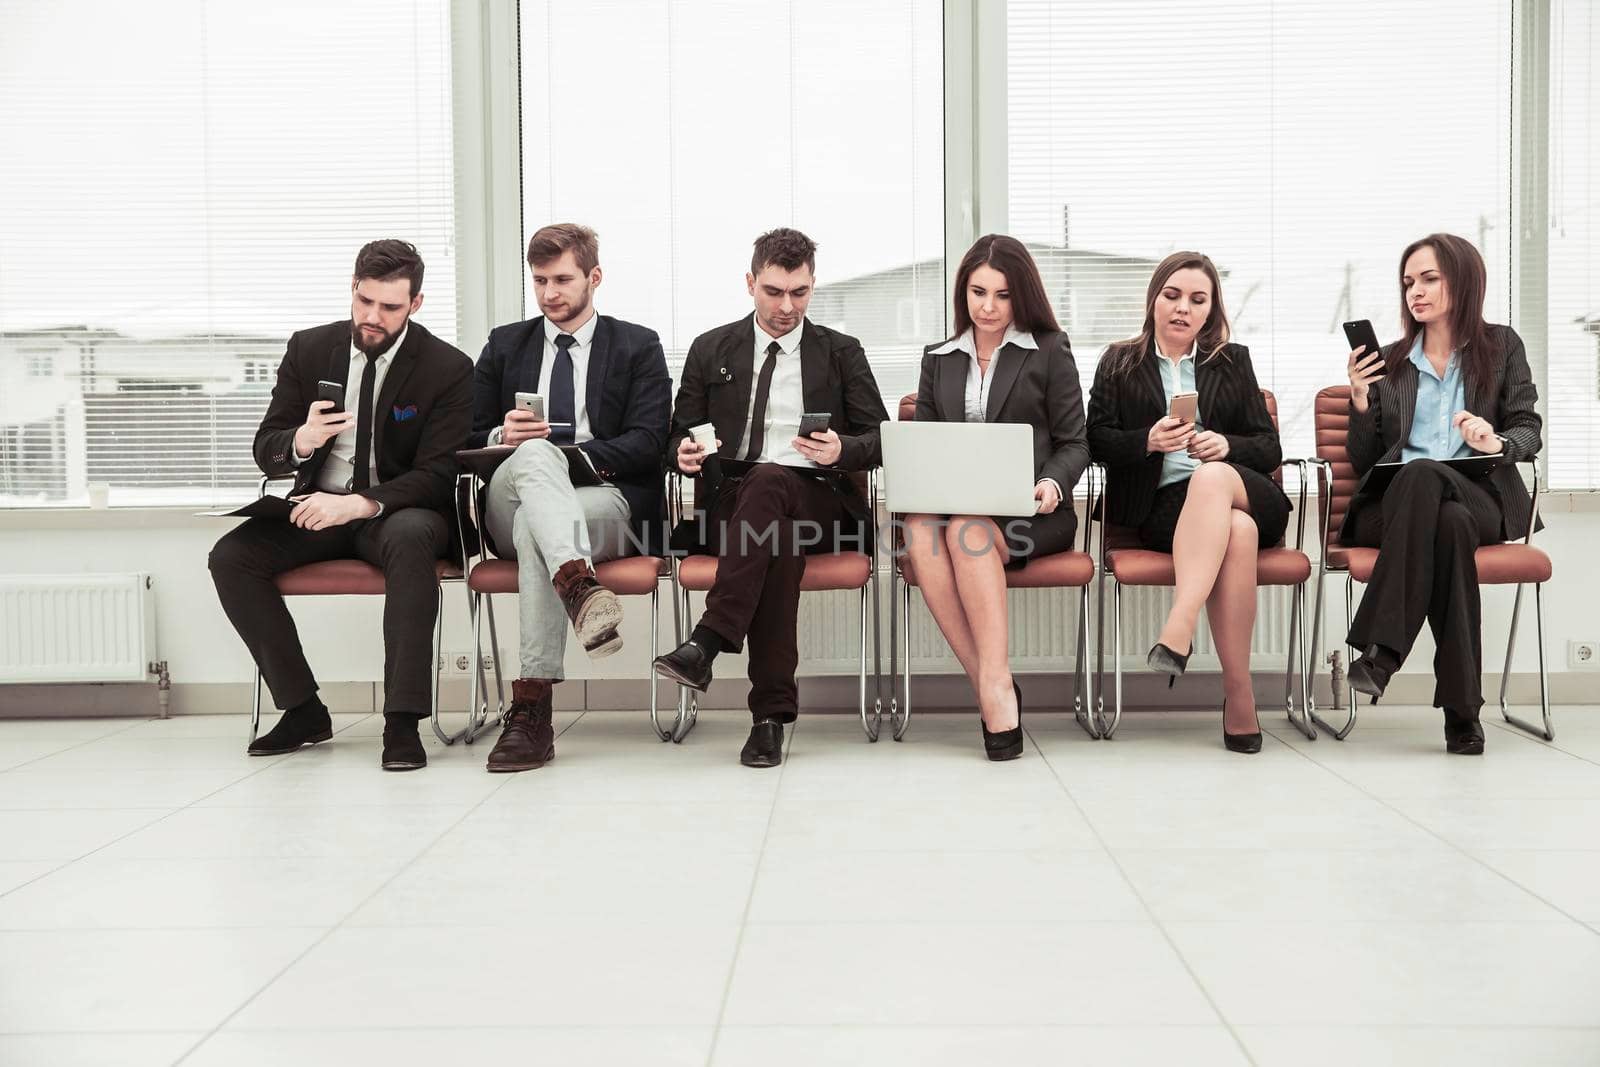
605,392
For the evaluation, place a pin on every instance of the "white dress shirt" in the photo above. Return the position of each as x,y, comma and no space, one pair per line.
580,372
976,405
785,400
977,400
338,471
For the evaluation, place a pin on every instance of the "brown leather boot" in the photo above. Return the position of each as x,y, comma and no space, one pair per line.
528,740
594,610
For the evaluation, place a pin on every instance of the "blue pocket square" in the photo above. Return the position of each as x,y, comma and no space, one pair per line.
401,414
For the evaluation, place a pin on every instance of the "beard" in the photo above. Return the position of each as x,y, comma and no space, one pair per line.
574,310
374,348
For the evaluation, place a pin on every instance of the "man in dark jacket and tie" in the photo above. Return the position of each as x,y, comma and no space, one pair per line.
752,380
374,480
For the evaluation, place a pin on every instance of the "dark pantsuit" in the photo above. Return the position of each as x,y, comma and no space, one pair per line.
405,543
765,526
1427,530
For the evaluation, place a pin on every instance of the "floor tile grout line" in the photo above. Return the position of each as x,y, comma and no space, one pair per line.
1554,746
87,741
340,924
1305,754
1144,904
170,812
749,901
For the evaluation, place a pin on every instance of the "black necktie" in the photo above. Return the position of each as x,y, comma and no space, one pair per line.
563,403
758,417
360,478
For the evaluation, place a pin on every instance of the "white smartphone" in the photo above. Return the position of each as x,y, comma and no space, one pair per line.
533,403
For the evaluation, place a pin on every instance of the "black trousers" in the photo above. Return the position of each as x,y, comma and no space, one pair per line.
404,543
1427,530
765,526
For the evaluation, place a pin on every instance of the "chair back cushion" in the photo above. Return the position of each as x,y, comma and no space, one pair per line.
1333,430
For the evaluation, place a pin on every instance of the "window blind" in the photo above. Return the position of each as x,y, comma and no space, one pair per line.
699,125
1301,146
186,184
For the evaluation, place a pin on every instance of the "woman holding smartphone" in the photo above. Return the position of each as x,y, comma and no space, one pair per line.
1453,386
1008,362
1200,489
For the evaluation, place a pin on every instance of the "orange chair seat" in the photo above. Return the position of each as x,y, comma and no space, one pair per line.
825,571
1141,566
1511,564
1046,572
345,577
630,576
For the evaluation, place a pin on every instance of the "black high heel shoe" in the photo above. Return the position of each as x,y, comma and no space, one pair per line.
1249,744
1164,660
1006,744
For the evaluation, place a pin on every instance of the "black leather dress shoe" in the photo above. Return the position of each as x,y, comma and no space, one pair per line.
402,747
764,747
1370,672
297,727
687,665
1462,736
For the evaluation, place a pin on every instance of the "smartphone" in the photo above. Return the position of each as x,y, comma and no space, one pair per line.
532,403
1361,333
1185,406
814,422
333,391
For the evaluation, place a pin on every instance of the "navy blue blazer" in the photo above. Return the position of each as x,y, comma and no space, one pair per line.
628,398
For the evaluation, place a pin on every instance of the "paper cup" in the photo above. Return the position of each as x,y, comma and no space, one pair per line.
705,435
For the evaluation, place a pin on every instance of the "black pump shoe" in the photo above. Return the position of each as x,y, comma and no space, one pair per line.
1006,744
1165,661
1249,744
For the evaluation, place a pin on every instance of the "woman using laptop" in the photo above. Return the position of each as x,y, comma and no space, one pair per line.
1199,487
1008,362
1452,387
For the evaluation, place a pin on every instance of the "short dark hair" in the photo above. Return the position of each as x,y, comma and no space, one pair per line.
388,259
550,241
786,248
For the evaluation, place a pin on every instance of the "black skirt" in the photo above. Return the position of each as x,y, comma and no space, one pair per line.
1039,535
1269,507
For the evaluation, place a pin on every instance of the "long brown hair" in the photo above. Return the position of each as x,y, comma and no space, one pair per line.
1030,307
1124,356
1467,280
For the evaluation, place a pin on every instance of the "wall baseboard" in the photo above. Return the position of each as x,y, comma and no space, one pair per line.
1046,691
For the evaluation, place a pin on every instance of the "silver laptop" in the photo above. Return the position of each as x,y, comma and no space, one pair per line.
947,468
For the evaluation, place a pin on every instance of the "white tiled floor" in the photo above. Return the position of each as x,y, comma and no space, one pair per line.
1153,899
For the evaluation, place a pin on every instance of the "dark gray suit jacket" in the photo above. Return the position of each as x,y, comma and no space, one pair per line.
1507,402
1039,388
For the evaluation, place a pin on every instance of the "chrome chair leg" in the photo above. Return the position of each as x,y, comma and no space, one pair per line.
688,703
1083,699
438,651
255,709
1297,629
1341,732
903,720
894,650
655,650
870,726
1107,729
1548,733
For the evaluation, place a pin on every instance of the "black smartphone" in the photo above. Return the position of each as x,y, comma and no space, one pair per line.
333,391
1360,332
814,422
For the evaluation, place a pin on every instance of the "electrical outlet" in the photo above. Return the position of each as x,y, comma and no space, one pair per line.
1583,655
458,664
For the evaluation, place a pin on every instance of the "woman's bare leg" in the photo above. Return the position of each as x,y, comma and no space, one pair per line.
978,556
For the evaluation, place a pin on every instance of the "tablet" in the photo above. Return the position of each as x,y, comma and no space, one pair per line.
1378,478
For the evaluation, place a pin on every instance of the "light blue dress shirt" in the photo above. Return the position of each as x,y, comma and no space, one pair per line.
1438,399
1179,378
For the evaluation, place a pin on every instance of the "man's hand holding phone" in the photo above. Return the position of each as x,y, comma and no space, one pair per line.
520,426
322,425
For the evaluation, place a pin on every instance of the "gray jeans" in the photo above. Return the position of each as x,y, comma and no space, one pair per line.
538,518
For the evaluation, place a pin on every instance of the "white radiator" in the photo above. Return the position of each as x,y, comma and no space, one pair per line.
76,627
